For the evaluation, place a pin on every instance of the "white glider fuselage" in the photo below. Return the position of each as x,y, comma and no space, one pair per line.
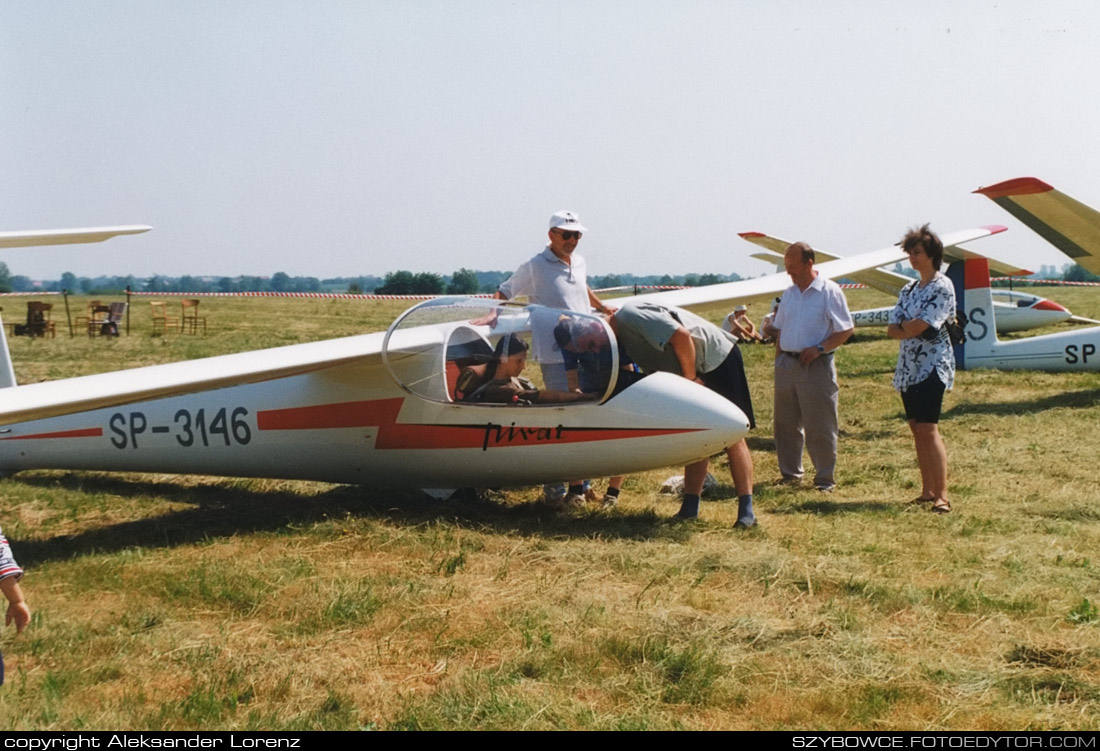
352,423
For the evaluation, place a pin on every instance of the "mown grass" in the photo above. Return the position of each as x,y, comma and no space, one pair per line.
170,602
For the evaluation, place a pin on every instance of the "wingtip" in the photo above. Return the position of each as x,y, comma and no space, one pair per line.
995,229
1020,186
747,235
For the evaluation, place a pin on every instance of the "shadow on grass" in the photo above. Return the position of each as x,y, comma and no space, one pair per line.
1071,514
225,511
822,506
757,443
1069,399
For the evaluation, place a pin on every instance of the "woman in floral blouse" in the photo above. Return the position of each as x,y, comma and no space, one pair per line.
926,363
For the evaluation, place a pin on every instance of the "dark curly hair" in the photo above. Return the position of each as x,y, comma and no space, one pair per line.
927,239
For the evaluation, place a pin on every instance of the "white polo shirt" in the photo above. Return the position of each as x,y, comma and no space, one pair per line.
548,280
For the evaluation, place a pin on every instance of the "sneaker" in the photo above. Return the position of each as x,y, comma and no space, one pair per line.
609,501
552,499
573,500
825,488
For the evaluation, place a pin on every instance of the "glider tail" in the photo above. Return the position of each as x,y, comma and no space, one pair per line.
973,299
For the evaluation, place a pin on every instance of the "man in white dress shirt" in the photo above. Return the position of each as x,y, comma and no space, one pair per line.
812,322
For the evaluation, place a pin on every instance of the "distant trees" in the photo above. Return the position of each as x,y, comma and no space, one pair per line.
192,284
397,283
154,284
408,283
464,282
1078,273
280,282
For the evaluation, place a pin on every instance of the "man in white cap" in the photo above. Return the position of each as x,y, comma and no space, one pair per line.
738,324
556,278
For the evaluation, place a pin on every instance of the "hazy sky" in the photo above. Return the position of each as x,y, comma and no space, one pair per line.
332,138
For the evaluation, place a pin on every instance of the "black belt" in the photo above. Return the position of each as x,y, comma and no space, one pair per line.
796,355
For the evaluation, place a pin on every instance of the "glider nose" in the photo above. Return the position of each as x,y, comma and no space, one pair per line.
693,420
1050,305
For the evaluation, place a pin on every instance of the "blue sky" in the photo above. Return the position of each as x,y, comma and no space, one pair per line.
341,138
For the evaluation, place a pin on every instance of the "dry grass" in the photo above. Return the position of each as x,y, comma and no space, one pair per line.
169,602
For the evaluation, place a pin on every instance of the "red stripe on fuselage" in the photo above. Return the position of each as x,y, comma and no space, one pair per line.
81,433
382,414
321,416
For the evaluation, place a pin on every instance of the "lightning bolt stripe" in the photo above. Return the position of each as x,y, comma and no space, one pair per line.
382,414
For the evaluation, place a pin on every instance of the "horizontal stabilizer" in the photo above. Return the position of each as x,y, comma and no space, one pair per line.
769,257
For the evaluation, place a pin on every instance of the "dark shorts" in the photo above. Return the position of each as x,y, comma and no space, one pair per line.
728,379
924,400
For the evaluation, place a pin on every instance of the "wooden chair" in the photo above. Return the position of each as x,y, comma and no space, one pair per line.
107,325
161,319
82,320
97,316
38,319
189,315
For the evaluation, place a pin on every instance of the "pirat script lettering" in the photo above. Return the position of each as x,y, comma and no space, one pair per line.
499,435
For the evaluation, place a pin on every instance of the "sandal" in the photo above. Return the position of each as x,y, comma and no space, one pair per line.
941,507
919,500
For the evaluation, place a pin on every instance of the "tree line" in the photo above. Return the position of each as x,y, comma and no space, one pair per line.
467,282
462,282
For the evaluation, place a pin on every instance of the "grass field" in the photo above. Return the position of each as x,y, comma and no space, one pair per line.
165,602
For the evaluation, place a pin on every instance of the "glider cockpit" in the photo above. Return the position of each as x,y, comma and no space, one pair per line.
464,350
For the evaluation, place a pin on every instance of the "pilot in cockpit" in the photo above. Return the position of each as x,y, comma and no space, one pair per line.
505,384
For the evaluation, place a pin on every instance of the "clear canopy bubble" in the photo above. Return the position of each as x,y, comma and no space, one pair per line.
469,350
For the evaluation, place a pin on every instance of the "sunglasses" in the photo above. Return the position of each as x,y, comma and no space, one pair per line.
568,234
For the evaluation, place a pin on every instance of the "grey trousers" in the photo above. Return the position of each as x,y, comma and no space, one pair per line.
806,413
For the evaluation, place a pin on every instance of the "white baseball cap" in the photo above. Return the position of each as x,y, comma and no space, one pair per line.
567,220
